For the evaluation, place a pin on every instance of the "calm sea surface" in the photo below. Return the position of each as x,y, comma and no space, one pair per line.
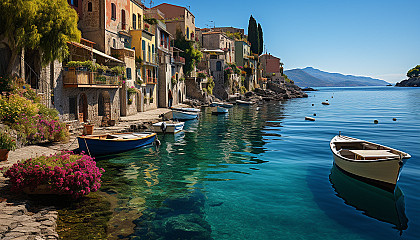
263,172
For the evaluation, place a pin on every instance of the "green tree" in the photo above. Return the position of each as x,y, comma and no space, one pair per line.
253,37
414,72
43,25
190,53
261,38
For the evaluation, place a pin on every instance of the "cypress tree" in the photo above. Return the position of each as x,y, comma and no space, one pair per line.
261,38
253,35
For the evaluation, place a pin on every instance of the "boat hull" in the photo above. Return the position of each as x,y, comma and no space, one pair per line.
244,103
170,127
219,110
180,115
99,147
383,174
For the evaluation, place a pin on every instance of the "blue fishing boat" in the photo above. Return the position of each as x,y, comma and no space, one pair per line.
96,145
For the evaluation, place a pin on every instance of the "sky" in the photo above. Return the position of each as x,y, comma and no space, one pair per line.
373,38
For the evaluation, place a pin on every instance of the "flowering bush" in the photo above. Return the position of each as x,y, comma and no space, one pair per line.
40,128
14,105
63,173
7,142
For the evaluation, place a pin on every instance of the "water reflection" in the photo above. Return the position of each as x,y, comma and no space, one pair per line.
166,186
372,201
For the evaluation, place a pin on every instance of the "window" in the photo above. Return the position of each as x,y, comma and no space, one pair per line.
114,43
162,39
143,48
89,6
128,73
148,51
123,19
72,108
113,11
139,18
188,32
218,66
73,2
153,53
134,21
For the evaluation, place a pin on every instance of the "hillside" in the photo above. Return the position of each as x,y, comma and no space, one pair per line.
311,77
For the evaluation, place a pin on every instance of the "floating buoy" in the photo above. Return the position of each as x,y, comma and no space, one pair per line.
313,104
315,114
326,100
394,119
332,96
325,103
375,121
309,118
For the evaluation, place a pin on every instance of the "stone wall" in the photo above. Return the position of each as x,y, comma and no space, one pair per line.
193,89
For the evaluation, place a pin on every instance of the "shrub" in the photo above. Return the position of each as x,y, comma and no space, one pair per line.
6,141
63,173
40,128
13,106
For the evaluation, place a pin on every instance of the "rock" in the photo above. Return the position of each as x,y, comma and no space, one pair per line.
187,226
411,82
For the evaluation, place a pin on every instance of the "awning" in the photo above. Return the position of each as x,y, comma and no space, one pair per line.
214,51
96,52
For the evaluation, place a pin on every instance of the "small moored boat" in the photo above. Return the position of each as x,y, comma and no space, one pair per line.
325,103
219,110
370,162
242,102
187,109
105,144
181,115
168,127
224,105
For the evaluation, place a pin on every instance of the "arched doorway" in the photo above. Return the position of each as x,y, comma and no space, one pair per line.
179,96
104,104
83,108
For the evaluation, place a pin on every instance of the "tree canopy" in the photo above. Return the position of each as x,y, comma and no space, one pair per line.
261,40
414,72
253,36
191,54
44,25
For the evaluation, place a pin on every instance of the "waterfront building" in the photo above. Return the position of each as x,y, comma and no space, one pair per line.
248,61
219,41
178,18
272,68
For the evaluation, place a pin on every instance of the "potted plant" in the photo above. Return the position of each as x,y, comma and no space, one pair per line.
7,144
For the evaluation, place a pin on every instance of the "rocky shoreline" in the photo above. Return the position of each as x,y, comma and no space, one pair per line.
411,82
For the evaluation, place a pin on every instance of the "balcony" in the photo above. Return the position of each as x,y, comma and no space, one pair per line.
179,60
151,80
73,78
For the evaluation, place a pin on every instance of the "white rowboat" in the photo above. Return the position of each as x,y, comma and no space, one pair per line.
241,102
370,162
219,110
187,109
168,127
181,115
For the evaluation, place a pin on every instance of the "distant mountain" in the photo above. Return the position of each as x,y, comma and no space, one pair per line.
311,77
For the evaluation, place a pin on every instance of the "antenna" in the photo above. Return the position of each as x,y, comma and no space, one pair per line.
151,3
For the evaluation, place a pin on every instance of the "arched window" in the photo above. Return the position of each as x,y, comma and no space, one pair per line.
113,11
89,6
218,66
123,19
134,21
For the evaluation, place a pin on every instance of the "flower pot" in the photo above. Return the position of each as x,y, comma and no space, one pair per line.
4,154
88,129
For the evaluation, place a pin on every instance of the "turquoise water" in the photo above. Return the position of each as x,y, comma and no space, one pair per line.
263,172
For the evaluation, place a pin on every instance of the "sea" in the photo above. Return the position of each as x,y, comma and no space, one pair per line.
264,172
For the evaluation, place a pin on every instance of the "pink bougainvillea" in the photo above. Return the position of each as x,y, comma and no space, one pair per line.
64,173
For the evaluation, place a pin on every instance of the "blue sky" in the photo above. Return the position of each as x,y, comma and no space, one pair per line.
375,38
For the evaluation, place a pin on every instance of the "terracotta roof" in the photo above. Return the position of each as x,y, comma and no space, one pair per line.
173,6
